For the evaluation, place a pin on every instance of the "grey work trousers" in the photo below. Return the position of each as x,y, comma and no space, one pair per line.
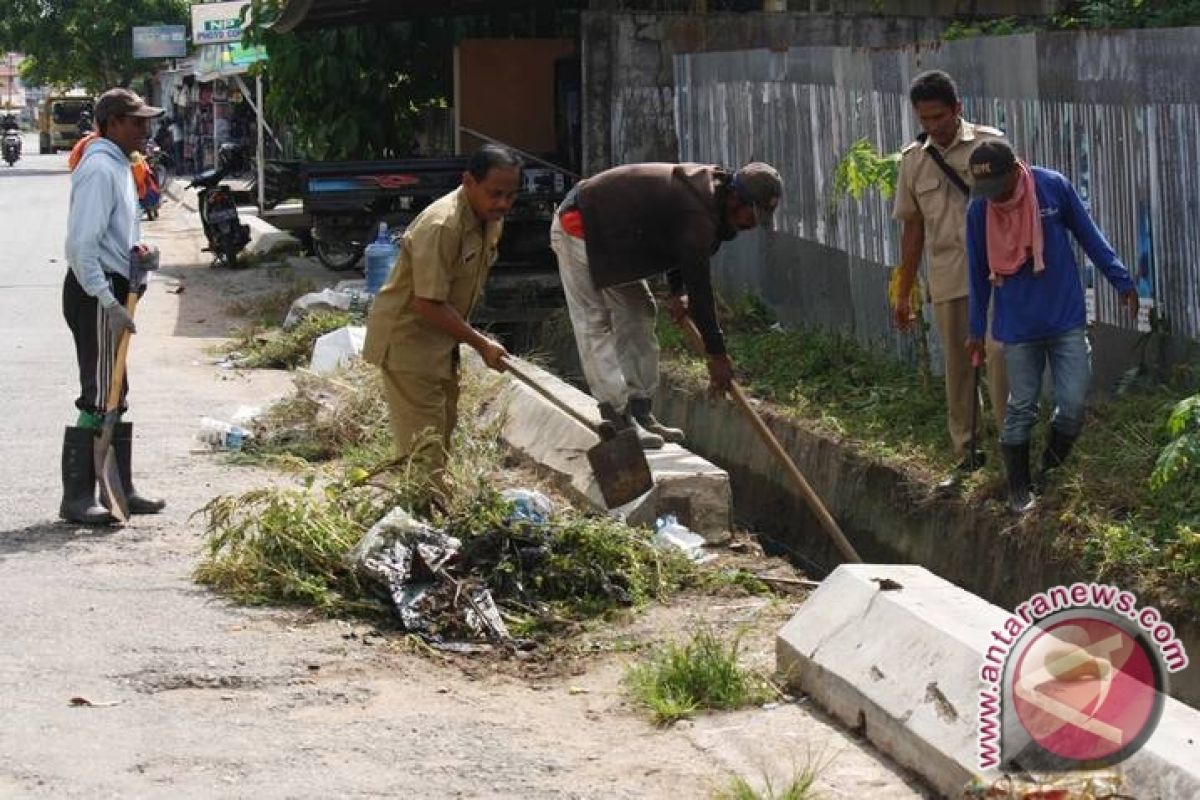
614,327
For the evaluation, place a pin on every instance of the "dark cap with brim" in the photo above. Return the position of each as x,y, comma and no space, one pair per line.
990,164
123,103
760,185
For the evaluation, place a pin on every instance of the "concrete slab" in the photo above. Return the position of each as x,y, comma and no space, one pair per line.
895,651
693,489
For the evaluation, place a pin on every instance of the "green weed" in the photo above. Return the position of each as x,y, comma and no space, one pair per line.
799,787
704,673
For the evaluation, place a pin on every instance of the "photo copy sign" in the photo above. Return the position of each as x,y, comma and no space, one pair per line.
218,23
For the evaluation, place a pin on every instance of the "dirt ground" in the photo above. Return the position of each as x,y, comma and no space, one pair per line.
191,696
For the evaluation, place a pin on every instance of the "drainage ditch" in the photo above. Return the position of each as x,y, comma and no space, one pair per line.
888,517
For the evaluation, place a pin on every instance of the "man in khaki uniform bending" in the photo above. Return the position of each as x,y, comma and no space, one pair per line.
419,317
933,209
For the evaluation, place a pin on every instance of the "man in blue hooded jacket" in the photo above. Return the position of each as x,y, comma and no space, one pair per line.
103,233
1020,257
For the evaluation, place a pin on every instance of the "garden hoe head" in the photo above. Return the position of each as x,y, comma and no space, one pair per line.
620,467
618,461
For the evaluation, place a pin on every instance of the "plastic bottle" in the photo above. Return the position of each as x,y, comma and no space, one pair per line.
380,255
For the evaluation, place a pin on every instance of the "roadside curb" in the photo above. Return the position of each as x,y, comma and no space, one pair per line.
694,490
895,651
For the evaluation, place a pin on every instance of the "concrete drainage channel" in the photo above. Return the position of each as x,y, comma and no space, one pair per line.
893,650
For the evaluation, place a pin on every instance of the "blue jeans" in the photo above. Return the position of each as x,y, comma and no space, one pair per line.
1070,358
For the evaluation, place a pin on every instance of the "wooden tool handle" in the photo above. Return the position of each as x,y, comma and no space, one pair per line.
518,371
828,523
118,371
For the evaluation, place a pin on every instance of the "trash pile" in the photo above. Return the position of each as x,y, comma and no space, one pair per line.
513,561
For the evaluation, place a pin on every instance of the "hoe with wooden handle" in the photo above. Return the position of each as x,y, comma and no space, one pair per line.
806,491
112,491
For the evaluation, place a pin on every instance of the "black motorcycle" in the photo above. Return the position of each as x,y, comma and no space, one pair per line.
218,212
10,146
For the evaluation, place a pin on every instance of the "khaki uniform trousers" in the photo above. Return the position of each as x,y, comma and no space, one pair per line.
423,411
952,319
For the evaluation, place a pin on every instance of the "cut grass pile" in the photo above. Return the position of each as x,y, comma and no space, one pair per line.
678,680
288,545
256,347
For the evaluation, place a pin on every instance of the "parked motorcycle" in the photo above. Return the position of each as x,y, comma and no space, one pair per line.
10,146
218,212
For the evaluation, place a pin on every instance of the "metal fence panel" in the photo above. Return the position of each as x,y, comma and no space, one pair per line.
1115,112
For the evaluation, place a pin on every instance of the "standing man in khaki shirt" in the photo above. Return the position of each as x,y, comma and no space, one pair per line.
933,209
420,316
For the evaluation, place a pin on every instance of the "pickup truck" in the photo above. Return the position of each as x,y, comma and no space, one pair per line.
347,200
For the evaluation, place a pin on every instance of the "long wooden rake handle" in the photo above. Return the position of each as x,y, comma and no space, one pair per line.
828,523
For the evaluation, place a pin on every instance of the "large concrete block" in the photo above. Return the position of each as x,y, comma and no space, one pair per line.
896,651
693,489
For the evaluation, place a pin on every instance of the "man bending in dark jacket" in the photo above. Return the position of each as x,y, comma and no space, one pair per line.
624,225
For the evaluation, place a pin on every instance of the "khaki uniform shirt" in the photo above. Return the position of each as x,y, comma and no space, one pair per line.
445,255
925,193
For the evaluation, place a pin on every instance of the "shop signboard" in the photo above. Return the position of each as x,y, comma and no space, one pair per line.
218,23
160,41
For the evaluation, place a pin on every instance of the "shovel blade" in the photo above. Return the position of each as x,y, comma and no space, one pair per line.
620,467
112,491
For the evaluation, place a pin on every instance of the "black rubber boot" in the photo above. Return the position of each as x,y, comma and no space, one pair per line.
1057,450
1016,464
639,408
123,444
79,480
622,420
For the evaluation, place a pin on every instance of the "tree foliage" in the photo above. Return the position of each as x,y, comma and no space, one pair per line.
355,92
84,42
1136,13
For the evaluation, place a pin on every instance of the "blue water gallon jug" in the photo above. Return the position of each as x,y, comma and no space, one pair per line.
380,255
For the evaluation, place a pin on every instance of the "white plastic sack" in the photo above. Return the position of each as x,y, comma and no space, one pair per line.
337,349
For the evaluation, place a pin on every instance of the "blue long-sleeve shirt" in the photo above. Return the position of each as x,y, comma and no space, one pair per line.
1029,307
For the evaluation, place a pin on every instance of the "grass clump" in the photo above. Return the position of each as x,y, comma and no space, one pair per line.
703,673
799,787
259,348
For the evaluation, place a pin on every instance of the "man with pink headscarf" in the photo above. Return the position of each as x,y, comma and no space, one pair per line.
1020,257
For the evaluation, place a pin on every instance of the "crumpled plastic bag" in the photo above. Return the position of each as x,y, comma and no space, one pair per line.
408,561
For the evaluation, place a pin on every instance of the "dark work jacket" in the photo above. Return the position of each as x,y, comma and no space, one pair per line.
645,219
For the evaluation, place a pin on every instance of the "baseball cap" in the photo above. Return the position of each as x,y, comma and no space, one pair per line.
759,184
122,102
990,164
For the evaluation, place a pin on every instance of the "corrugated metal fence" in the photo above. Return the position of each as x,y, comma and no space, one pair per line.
1118,113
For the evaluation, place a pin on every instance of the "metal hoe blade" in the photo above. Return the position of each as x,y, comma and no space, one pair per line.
620,467
112,491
